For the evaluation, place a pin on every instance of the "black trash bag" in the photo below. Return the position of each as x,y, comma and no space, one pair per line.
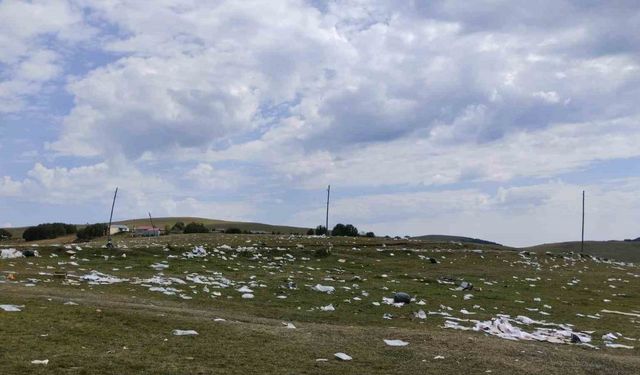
28,253
433,261
401,297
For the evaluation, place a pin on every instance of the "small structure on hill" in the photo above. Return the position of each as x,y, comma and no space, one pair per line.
115,229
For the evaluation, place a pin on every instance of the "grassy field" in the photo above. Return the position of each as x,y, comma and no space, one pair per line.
126,327
622,250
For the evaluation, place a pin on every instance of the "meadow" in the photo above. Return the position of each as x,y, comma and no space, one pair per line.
285,304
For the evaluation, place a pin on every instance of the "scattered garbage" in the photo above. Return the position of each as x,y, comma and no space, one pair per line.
328,308
248,296
187,332
502,327
289,325
95,277
323,288
11,308
395,342
401,297
196,252
465,285
11,254
40,362
343,356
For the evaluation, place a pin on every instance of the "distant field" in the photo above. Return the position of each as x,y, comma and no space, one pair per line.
125,326
620,250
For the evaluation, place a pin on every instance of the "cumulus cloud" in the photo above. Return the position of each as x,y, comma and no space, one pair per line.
291,95
28,61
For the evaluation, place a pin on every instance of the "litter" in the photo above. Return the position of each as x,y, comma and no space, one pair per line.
420,314
95,277
40,362
11,308
248,296
401,297
188,332
11,254
343,356
395,342
323,288
328,308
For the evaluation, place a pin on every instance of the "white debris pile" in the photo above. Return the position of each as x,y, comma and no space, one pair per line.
323,288
505,327
343,356
609,339
11,308
395,342
196,252
11,254
184,332
99,278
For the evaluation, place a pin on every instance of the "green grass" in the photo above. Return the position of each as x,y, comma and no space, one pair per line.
90,338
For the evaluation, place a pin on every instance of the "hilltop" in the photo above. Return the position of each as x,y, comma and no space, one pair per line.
461,239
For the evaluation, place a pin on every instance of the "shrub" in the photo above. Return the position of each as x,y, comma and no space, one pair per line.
92,231
310,232
320,230
233,231
195,228
345,230
5,234
48,231
370,234
178,227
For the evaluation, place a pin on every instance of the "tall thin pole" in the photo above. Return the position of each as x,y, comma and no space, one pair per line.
153,227
582,243
109,244
326,223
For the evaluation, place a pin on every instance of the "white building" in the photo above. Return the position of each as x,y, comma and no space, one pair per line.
116,228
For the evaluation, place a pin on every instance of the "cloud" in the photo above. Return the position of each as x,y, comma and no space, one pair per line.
176,99
28,33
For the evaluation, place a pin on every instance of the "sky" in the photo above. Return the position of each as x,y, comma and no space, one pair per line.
486,119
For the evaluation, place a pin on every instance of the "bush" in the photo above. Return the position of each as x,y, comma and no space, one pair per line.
233,231
370,234
92,231
5,234
320,230
345,230
178,227
195,228
310,232
48,231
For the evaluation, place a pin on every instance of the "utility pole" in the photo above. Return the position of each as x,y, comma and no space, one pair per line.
582,243
326,223
109,243
153,227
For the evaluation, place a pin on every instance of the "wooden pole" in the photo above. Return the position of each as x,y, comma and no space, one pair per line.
109,244
582,242
326,223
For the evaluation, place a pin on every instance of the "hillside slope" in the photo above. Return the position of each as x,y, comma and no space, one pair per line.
446,238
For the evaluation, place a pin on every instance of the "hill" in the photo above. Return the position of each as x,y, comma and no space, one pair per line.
161,222
445,238
627,251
